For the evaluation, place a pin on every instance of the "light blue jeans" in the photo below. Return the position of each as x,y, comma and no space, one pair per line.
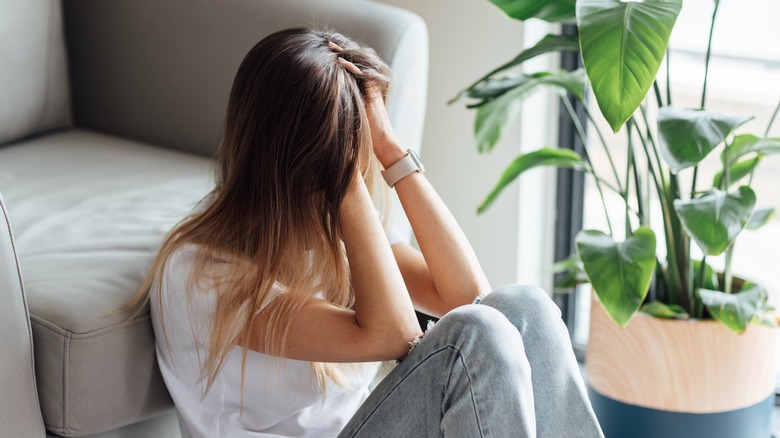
502,368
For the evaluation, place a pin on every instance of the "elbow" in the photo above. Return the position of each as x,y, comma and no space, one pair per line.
400,343
482,286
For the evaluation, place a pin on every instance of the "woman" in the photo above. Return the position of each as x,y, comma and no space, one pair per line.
272,303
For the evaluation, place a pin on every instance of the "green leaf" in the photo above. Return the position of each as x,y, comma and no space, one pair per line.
760,217
746,143
571,273
550,43
495,116
661,310
715,219
737,171
687,136
570,279
549,10
543,157
619,272
495,87
735,310
622,45
711,280
570,263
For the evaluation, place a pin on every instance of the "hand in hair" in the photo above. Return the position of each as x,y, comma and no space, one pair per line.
387,146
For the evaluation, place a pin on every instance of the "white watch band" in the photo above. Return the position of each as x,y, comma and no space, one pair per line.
408,164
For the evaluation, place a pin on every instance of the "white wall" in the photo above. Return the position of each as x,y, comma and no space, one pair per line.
467,39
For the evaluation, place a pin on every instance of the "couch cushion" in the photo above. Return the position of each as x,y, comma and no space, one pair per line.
89,211
33,77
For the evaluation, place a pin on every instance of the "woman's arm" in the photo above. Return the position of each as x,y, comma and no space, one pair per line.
383,321
447,274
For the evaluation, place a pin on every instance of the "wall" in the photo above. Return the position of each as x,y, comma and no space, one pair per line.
467,39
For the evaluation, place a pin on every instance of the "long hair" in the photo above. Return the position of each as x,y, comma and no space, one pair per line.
294,135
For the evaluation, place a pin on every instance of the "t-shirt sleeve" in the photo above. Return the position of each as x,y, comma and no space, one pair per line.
394,236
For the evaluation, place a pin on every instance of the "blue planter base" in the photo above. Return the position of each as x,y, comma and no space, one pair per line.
621,420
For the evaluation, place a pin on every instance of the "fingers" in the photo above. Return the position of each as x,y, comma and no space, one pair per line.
335,47
350,66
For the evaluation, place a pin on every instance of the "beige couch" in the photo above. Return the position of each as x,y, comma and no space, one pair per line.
109,112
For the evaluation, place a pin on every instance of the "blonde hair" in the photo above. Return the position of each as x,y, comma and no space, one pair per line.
295,133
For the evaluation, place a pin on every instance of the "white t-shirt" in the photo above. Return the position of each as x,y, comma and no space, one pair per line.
282,397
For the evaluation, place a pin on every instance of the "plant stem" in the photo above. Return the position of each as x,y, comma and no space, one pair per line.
704,87
615,191
709,53
584,139
679,249
772,120
607,184
730,250
702,270
638,184
652,171
661,188
698,309
628,230
604,145
648,186
725,181
691,275
727,276
649,136
667,192
668,81
657,91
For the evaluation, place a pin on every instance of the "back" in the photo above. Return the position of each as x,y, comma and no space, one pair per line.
281,397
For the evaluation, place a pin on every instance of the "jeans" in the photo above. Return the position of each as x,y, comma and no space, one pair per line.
501,368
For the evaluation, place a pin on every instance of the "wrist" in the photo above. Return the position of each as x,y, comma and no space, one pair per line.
408,164
389,154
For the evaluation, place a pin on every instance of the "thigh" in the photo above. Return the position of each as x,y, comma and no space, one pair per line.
407,402
468,377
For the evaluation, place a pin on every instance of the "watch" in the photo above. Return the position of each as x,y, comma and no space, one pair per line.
408,164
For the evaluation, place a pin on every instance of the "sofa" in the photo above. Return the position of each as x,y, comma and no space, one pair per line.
110,113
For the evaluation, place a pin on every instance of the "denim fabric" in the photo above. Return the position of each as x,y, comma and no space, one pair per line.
501,368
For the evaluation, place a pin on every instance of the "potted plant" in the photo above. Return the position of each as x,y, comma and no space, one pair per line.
697,358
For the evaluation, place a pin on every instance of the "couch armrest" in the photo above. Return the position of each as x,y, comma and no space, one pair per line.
20,413
160,71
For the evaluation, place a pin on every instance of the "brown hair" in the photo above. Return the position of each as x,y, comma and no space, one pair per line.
295,133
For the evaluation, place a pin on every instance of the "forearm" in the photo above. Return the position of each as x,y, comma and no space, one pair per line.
382,303
455,270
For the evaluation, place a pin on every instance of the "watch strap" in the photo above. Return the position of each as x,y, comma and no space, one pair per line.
410,163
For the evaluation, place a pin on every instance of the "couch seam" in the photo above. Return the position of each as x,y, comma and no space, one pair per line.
67,336
66,358
88,335
24,304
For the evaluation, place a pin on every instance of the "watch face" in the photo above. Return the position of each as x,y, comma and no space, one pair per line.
417,160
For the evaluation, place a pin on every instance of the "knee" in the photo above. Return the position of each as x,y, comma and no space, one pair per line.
529,301
486,342
480,325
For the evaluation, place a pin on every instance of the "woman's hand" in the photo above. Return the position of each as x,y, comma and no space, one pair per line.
387,146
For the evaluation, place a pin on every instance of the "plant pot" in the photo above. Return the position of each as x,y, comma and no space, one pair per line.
672,378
